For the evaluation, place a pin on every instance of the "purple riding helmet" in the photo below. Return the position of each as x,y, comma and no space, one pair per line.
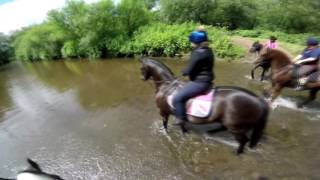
312,42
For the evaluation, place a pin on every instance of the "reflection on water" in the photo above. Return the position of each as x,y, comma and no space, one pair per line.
98,120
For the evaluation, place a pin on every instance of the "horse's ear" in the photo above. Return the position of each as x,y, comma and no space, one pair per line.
34,165
141,59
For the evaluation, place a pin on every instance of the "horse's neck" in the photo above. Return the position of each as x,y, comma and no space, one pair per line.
167,89
161,79
280,63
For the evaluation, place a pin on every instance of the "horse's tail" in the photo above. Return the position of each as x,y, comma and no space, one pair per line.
259,127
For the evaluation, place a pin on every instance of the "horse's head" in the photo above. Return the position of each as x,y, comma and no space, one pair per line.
155,69
34,172
256,47
264,57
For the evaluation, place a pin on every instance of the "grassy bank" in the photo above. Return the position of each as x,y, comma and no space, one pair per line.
293,43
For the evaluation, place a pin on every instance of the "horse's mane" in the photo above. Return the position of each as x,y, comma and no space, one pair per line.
158,64
237,88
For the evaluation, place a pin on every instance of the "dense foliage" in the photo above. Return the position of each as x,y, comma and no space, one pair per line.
5,49
103,29
293,16
159,27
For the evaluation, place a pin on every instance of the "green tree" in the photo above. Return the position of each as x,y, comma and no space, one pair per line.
71,20
132,14
100,28
39,42
151,3
293,16
233,14
179,11
5,49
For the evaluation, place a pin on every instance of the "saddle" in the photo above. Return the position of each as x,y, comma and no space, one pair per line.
199,106
305,73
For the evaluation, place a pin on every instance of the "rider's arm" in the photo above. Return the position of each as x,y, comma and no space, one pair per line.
310,59
192,63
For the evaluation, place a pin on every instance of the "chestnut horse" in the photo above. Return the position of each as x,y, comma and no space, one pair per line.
282,75
236,109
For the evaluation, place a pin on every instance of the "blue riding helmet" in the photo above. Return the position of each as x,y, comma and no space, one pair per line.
198,37
312,42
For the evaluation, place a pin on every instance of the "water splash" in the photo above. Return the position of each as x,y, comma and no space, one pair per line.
222,140
284,103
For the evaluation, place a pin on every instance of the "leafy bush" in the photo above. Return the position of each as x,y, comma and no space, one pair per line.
169,40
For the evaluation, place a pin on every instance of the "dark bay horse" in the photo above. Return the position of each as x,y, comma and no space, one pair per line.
265,68
237,109
282,71
256,48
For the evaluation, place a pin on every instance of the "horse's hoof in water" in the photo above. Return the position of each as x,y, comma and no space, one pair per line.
300,105
183,129
239,152
252,146
164,129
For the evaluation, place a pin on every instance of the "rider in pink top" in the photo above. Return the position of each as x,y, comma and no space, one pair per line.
272,44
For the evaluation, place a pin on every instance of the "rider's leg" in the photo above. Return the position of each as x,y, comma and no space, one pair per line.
275,92
191,89
306,70
311,85
301,73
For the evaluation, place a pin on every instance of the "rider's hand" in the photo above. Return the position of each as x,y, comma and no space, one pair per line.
297,58
298,62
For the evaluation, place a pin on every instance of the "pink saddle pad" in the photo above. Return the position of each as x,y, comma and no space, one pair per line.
199,106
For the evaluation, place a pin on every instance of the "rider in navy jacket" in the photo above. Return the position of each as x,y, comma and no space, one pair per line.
200,72
200,65
307,61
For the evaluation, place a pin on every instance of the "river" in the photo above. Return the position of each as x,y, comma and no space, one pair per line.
98,120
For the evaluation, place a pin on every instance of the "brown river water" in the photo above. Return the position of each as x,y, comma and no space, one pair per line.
98,120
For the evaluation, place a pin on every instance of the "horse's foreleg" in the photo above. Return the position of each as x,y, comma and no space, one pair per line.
242,139
267,90
312,96
262,74
165,118
252,71
165,123
183,128
276,90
